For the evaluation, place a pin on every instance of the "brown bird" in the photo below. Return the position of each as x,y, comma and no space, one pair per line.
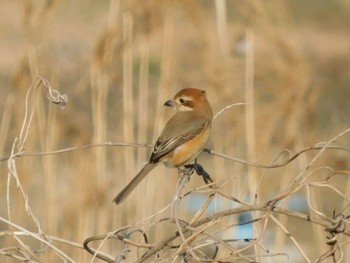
183,137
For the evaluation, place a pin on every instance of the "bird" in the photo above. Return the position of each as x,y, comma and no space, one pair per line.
183,137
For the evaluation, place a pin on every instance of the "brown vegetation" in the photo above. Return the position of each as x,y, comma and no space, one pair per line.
279,69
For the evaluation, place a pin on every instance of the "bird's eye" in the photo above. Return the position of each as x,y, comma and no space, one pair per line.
182,101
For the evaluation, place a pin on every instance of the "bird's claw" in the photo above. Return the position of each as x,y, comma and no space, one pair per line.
200,171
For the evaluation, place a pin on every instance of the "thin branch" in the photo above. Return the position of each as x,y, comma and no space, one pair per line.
316,147
36,236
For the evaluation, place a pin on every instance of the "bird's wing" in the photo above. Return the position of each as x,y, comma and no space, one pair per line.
180,128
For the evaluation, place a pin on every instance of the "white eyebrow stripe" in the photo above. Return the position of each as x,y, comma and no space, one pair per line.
184,108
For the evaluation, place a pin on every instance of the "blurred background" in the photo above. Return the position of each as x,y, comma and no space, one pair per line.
119,61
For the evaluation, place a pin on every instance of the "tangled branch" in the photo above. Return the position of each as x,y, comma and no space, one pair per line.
189,238
203,236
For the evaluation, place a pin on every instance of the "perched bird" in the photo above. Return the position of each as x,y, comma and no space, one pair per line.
183,137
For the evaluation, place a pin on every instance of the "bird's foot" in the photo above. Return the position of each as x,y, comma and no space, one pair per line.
200,171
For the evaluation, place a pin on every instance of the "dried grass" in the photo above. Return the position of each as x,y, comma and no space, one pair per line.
60,171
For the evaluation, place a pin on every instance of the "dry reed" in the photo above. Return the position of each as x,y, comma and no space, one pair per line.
119,62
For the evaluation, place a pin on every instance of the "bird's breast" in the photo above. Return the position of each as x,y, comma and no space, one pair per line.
188,151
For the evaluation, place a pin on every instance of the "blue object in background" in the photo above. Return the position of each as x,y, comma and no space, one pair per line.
243,230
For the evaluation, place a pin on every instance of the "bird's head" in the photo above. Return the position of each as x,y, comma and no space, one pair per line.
189,99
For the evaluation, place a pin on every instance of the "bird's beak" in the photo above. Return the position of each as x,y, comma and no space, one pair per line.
169,103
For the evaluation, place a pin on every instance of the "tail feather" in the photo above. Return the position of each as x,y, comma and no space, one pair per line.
133,183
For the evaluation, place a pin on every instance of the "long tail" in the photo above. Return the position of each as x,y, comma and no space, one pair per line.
133,183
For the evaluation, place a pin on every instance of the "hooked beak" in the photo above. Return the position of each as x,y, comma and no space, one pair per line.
169,103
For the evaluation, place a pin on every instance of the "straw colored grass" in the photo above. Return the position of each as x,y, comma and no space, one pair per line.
278,152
